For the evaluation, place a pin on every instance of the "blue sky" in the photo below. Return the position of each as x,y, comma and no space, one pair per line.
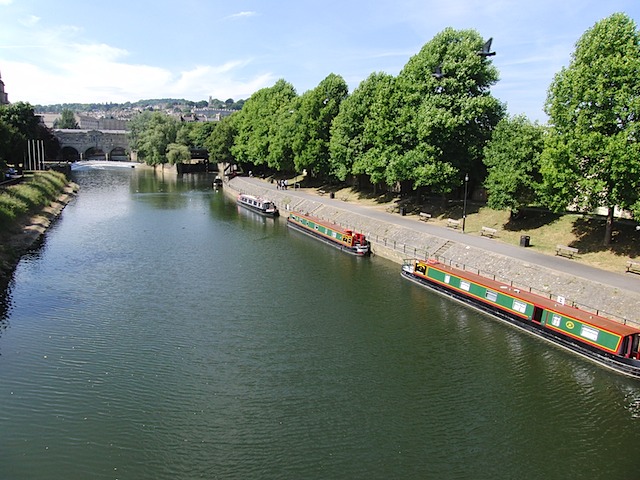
83,51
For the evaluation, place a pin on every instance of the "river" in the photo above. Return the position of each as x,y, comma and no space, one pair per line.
159,332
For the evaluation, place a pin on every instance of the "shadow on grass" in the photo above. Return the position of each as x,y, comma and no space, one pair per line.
530,220
589,232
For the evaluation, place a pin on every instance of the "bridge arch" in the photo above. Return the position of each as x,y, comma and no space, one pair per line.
94,153
119,154
69,154
93,144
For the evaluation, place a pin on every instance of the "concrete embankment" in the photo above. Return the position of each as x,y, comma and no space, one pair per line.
397,242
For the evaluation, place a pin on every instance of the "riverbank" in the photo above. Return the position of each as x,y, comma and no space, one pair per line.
395,237
28,230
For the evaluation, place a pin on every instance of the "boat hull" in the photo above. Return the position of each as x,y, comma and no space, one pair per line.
626,366
354,250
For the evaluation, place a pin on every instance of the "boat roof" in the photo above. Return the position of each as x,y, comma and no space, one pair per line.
544,302
253,197
320,221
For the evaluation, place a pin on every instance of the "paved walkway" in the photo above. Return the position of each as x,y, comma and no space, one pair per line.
624,281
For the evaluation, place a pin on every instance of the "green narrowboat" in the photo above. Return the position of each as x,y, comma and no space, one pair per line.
602,340
345,239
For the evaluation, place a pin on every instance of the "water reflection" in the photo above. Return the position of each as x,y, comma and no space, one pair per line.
5,307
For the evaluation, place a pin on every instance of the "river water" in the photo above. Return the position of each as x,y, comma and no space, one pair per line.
160,333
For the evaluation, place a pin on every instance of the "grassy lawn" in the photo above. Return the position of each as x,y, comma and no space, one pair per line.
17,204
545,229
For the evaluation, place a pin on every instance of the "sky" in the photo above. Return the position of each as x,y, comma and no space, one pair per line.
113,51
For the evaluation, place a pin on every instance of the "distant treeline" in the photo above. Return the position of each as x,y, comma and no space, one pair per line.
159,103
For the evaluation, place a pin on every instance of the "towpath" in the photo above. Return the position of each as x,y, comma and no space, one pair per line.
624,281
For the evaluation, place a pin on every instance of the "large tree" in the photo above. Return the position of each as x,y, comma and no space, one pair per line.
592,156
220,140
444,120
18,126
178,153
67,120
313,116
150,135
194,134
256,126
512,158
363,130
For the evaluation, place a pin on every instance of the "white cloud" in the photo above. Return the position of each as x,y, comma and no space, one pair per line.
29,21
93,73
58,66
242,14
5,2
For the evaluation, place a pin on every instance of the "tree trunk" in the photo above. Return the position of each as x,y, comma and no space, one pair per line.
609,227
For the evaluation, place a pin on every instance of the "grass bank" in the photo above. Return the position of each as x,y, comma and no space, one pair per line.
18,205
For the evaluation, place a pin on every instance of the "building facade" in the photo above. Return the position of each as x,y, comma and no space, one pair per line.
4,98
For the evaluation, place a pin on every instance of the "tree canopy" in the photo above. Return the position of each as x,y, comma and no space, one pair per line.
256,125
150,135
19,125
512,158
443,123
592,156
67,120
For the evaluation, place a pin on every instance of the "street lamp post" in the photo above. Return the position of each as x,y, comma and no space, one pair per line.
464,201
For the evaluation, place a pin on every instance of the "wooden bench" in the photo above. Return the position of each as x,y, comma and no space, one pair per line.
453,223
633,267
425,216
488,232
565,251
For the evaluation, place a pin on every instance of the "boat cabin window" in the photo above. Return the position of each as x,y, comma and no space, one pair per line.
635,347
519,306
491,295
421,268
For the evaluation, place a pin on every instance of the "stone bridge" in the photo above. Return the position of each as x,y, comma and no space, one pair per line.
92,144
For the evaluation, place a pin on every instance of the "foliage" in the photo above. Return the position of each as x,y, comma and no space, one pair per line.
360,131
194,134
312,125
150,104
19,125
150,135
443,123
221,139
257,138
512,158
67,120
592,155
177,153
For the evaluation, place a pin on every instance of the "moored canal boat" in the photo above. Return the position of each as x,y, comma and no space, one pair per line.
345,239
257,204
609,343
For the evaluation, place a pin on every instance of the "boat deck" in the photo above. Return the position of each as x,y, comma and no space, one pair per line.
333,226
